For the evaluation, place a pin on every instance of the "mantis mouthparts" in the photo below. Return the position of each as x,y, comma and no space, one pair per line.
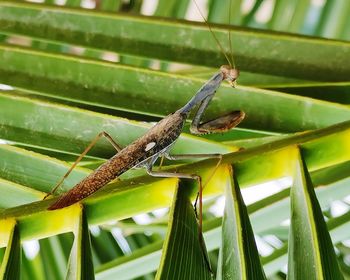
233,83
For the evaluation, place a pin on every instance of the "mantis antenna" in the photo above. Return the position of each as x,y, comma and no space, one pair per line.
214,36
229,35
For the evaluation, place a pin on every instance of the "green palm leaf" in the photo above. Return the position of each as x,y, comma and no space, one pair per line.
64,93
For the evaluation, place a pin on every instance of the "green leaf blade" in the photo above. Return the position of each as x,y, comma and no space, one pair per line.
183,256
147,88
11,264
239,257
311,253
293,55
80,265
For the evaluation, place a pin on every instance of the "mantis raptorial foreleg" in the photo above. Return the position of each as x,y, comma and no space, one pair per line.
197,117
218,125
88,148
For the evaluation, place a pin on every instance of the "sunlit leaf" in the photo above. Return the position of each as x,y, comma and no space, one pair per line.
311,252
239,258
11,264
183,255
80,264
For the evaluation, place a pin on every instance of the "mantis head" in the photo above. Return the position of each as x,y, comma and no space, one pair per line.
230,74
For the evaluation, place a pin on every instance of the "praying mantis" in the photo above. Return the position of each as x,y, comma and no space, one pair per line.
157,142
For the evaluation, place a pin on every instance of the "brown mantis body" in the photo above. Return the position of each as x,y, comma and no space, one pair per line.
156,143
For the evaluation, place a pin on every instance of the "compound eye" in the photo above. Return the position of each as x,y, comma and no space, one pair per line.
234,73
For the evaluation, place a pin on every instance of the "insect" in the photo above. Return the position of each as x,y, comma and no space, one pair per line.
157,142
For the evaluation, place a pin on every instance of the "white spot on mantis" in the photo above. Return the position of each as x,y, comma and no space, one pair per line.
150,146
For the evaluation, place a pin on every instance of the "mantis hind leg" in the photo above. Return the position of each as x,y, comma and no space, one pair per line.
199,197
187,176
196,177
182,176
192,156
221,124
88,148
